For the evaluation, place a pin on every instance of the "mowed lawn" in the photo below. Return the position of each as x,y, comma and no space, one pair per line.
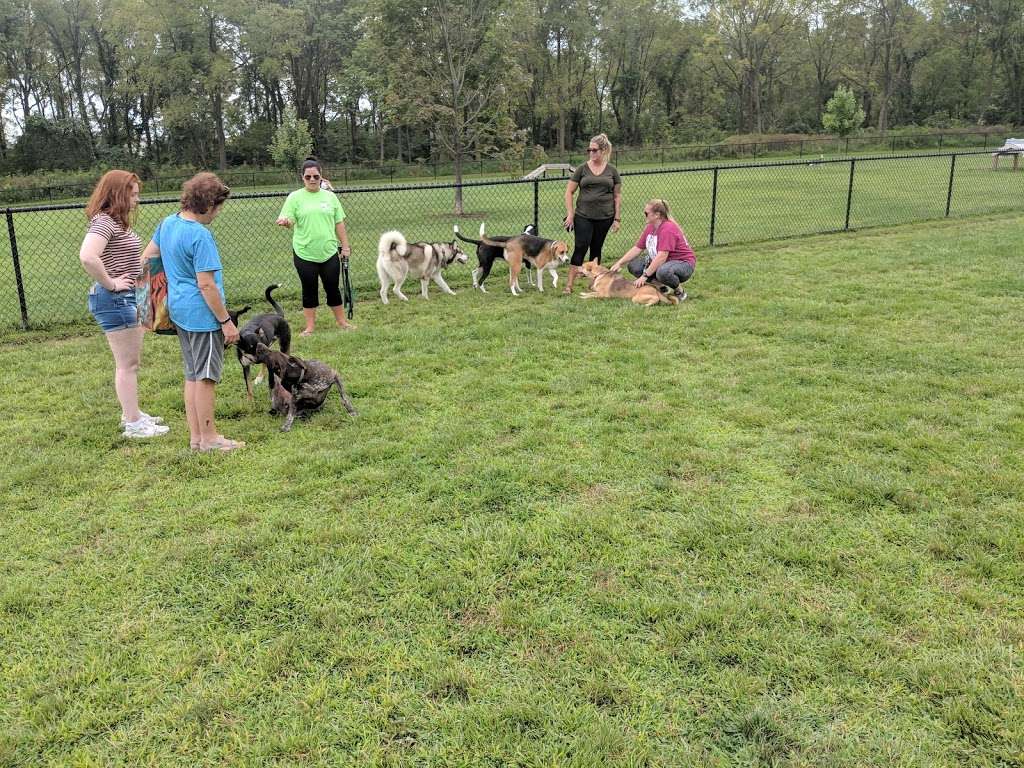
751,204
780,524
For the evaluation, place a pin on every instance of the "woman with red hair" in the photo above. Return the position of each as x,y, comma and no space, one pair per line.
110,254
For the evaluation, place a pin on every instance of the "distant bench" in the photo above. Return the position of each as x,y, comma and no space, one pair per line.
1013,147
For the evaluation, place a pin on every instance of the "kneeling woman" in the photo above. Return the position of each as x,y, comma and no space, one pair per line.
317,221
661,253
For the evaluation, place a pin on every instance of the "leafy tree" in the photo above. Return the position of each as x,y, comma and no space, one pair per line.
292,141
62,144
842,114
252,144
449,63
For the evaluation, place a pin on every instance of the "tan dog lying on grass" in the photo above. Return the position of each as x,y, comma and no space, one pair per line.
605,284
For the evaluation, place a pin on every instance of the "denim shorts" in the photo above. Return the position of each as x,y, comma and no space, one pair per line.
113,310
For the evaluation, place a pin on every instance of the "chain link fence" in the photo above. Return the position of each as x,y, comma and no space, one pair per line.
42,283
433,168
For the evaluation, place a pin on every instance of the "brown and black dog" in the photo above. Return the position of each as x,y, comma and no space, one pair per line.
538,252
605,284
299,386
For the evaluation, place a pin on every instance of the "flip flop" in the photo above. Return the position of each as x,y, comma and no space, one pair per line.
306,333
223,445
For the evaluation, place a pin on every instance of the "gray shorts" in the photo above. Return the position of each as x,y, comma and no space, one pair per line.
202,352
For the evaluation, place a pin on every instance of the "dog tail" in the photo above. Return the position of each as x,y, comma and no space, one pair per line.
392,239
463,238
488,241
274,304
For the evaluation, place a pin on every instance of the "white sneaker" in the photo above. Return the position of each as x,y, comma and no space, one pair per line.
143,428
143,416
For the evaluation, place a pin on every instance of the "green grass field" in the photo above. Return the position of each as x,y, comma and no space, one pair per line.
753,204
780,524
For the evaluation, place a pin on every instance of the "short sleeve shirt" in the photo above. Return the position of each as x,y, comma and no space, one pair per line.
315,214
667,237
187,248
121,256
596,198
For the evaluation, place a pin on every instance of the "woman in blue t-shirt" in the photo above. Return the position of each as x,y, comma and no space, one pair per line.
195,299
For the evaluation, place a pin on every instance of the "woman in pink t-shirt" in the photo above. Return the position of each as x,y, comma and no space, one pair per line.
662,255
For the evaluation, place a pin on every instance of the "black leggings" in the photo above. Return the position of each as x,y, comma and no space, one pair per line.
590,233
328,272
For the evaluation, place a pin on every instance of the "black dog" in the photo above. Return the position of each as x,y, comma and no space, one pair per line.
487,254
302,386
262,329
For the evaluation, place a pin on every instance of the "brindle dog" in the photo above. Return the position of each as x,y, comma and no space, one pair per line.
301,386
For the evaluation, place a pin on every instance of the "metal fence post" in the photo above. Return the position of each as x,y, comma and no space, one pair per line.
17,270
949,192
714,205
849,195
536,207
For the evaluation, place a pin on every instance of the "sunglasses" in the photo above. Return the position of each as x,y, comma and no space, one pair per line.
311,178
593,149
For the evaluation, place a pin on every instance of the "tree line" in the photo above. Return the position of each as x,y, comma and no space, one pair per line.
207,82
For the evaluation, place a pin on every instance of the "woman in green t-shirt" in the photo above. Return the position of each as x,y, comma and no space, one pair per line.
317,221
597,207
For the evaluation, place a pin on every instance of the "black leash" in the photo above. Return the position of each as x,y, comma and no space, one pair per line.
347,298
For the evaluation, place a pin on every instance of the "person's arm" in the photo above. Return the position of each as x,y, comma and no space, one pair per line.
617,221
286,218
89,254
342,233
211,295
631,254
570,212
150,251
652,268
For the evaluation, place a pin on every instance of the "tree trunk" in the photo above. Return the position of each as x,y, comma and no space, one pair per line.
458,179
353,133
217,100
218,119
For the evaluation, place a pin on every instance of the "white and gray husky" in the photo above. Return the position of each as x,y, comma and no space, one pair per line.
398,259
